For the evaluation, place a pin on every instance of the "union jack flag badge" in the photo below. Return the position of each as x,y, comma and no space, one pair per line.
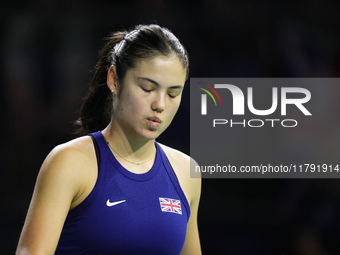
170,205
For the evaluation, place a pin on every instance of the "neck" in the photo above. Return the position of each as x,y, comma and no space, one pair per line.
127,147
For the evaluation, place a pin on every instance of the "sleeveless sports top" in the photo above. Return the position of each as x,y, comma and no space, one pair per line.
128,213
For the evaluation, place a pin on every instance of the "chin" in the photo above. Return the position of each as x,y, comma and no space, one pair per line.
151,135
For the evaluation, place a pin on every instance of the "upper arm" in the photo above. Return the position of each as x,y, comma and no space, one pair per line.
192,242
57,185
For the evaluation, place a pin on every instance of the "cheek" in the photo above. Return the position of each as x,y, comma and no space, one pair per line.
173,110
177,104
133,104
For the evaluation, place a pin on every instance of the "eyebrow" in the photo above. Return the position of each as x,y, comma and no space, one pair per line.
157,84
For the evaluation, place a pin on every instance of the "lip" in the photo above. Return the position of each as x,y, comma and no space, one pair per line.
154,122
155,119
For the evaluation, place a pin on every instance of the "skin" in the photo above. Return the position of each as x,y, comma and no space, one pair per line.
144,106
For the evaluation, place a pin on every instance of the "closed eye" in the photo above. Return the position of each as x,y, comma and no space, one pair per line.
172,96
146,90
174,92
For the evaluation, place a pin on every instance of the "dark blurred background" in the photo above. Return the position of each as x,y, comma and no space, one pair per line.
49,49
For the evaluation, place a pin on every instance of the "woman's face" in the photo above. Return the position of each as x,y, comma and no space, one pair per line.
149,97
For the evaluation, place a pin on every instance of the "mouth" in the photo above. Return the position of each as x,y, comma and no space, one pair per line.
154,122
155,119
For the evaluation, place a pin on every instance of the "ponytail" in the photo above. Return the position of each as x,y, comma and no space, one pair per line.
96,110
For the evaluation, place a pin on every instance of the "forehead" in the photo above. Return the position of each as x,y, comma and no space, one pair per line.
167,70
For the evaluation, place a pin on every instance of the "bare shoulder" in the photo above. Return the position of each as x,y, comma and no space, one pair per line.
76,146
176,156
81,147
73,154
181,163
72,164
179,159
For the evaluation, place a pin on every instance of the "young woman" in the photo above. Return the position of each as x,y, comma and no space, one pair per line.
116,190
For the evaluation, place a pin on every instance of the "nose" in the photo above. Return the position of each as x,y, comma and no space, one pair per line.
158,103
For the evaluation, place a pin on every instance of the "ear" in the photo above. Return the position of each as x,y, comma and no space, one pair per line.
112,79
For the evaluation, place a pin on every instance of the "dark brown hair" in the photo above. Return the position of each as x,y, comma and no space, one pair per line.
122,50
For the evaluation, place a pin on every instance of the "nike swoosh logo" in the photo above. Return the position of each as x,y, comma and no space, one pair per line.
109,204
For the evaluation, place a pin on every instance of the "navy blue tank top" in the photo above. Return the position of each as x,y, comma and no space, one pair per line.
128,213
